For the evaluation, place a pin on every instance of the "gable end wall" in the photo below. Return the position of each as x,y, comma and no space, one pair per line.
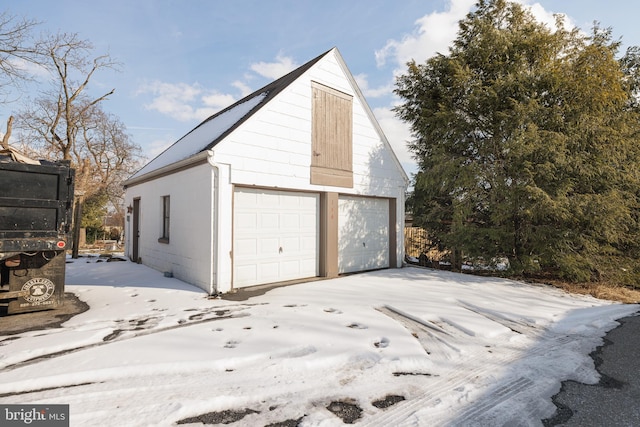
273,148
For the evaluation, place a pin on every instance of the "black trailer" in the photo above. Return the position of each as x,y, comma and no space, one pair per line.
36,205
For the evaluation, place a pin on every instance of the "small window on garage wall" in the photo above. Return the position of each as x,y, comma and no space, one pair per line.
331,136
166,209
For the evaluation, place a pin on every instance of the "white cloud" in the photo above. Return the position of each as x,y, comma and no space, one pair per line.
545,16
242,87
30,68
275,70
433,33
363,84
157,146
171,99
178,91
184,102
217,100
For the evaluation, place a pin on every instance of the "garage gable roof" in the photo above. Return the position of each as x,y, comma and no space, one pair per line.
215,128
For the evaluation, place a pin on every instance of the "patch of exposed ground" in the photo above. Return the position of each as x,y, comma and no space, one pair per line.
387,401
286,423
219,417
606,291
346,410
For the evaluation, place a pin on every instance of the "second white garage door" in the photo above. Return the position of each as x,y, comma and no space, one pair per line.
363,234
275,236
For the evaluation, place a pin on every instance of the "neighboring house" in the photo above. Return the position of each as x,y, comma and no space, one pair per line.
296,180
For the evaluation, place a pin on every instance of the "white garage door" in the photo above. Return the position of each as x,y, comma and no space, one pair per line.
275,236
363,234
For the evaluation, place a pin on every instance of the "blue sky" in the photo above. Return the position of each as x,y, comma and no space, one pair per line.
184,60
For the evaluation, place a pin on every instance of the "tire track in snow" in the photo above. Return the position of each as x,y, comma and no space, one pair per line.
150,391
115,336
473,414
434,339
516,326
457,380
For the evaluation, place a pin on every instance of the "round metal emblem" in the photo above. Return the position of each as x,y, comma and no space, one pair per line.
40,289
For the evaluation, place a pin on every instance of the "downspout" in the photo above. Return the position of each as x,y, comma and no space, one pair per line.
214,228
403,210
215,231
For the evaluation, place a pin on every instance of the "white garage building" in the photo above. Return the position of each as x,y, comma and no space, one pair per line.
296,180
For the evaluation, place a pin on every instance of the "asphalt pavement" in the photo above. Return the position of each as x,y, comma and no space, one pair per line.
615,400
45,319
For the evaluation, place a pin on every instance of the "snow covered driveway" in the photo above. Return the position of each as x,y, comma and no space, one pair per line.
439,348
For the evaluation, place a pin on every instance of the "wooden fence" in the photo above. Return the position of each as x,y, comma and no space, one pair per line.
416,242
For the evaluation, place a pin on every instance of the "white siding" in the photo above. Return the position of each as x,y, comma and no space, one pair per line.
188,253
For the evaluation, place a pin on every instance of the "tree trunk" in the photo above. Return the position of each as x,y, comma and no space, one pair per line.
7,135
456,260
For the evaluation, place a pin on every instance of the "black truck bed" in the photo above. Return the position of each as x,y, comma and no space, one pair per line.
36,206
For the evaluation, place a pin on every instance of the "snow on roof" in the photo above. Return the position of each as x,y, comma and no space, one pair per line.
200,137
212,130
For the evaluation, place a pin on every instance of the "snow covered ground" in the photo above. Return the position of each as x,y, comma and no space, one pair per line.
404,346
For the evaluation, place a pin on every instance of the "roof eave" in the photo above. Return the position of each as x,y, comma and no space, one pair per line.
189,162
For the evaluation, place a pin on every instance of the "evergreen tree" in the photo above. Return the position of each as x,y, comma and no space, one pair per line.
525,138
94,212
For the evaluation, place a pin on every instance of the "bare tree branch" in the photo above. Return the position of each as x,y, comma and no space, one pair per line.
16,49
66,123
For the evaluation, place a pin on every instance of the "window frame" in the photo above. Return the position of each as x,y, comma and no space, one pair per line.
165,219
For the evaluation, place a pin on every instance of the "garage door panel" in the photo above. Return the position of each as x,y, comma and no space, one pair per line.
250,220
363,233
285,229
308,264
308,244
291,243
308,220
268,246
246,198
291,268
269,221
375,259
269,271
247,246
247,272
290,221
